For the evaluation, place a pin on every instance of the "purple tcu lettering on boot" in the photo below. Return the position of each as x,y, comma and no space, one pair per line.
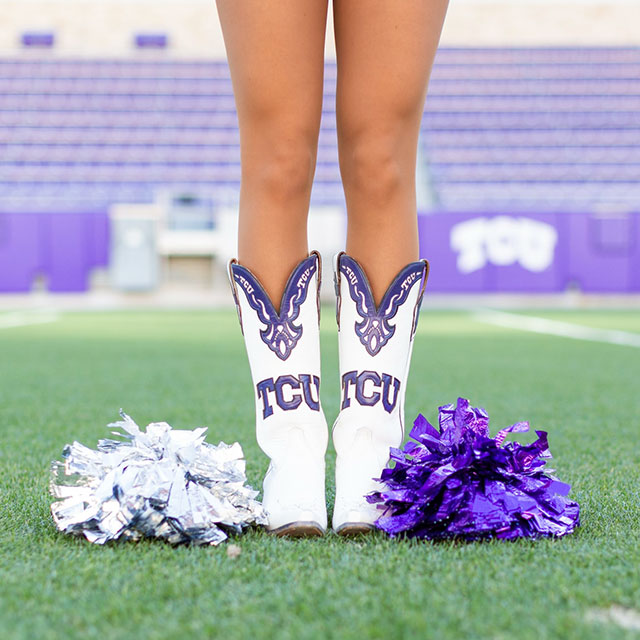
374,398
374,331
307,380
304,380
263,387
347,378
383,387
295,401
387,382
281,334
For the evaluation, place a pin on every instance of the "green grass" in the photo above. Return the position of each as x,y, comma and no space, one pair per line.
66,380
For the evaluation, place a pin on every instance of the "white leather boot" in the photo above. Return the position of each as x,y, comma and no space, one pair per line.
284,356
375,352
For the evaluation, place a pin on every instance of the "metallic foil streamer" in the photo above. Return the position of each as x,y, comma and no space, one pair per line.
460,482
163,483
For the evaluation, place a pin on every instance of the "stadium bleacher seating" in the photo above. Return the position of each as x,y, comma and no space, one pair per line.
534,128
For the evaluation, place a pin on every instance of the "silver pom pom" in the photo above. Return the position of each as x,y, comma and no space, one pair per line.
163,483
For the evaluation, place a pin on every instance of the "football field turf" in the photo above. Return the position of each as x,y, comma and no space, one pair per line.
65,380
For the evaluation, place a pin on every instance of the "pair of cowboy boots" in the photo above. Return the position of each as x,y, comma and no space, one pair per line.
283,347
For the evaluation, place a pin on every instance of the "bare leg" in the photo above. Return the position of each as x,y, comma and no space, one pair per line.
385,51
275,52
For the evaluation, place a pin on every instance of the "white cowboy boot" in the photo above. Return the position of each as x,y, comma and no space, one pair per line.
284,356
375,353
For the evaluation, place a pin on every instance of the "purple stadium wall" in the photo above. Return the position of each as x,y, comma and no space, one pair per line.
63,247
531,253
469,252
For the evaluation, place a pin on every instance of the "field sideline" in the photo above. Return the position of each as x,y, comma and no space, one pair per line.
66,379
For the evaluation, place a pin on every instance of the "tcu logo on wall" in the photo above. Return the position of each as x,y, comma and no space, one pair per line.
503,241
369,388
289,392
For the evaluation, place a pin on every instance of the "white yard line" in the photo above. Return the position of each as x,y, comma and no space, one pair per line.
620,616
26,318
556,328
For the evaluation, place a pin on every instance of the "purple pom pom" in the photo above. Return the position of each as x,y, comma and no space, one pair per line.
460,482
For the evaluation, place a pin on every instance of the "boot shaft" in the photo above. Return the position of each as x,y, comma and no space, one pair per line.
282,346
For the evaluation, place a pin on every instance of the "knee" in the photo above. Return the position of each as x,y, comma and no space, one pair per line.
372,166
285,169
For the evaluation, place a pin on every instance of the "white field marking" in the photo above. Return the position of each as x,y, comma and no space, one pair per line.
621,616
24,319
556,328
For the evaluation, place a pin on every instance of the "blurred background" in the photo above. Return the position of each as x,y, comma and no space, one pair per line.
120,162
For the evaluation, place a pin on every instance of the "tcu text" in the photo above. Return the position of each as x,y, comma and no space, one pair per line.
503,241
383,388
289,392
